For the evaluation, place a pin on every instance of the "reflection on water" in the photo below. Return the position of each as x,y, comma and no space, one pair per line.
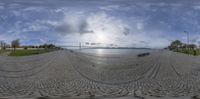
115,51
100,51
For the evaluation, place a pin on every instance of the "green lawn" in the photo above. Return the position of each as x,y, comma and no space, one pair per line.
28,52
2,51
191,52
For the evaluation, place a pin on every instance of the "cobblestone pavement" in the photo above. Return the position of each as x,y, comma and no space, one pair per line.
73,74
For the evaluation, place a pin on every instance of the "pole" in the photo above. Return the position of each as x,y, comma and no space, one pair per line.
80,41
79,45
188,41
4,46
188,38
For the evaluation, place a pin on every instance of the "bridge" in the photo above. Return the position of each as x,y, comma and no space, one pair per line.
82,45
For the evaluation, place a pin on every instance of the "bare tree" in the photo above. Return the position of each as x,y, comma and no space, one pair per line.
2,45
15,44
1,42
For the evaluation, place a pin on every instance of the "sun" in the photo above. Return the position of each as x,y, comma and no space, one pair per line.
101,38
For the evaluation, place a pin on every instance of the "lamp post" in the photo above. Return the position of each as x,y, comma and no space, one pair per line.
188,39
80,46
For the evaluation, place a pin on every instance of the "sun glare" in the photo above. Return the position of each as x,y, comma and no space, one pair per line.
101,38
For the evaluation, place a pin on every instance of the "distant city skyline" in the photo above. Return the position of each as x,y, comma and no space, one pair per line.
133,23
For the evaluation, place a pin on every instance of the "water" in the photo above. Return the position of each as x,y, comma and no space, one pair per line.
115,51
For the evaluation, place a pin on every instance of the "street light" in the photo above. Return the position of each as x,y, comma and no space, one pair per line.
80,41
188,39
79,45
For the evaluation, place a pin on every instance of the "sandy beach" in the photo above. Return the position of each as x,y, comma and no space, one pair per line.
73,74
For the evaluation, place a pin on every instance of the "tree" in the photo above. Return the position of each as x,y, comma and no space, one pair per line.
175,45
2,45
25,48
192,46
15,44
51,46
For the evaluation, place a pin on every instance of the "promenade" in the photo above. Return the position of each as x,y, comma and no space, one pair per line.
74,74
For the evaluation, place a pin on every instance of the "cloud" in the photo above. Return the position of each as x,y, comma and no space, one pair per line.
139,26
126,31
35,26
95,22
95,28
107,29
10,37
196,7
70,28
14,5
1,7
2,4
194,39
73,23
37,9
109,7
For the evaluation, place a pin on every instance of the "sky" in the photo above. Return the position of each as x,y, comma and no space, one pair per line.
124,23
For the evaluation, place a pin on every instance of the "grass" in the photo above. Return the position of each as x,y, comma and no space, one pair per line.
191,51
3,51
28,52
